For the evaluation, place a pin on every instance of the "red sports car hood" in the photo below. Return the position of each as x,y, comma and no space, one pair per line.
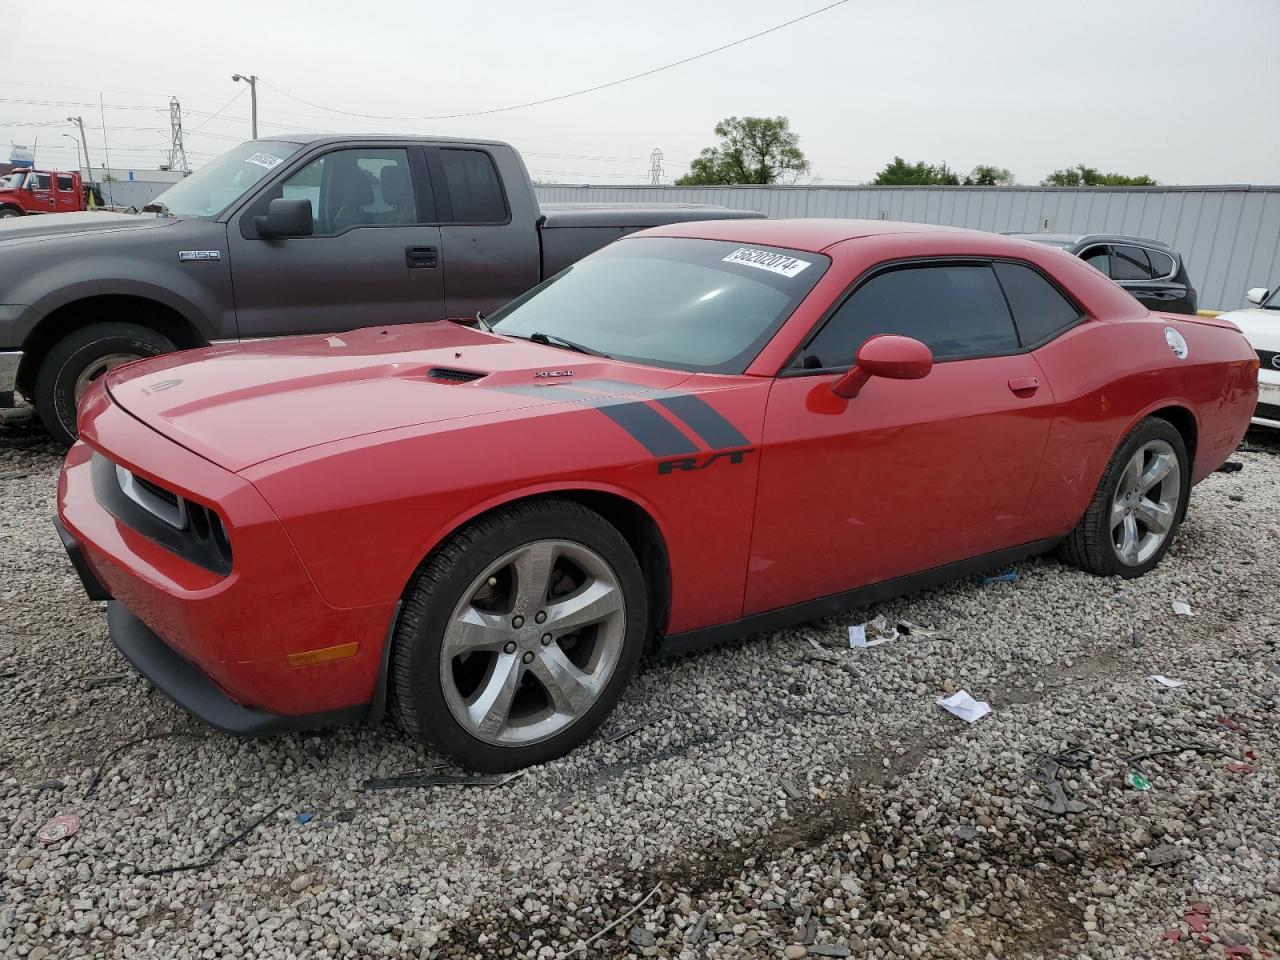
243,404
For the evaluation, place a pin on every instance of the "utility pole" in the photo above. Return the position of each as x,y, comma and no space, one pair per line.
253,98
655,167
177,152
84,142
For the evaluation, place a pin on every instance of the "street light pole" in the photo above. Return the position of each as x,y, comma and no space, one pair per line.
253,98
84,142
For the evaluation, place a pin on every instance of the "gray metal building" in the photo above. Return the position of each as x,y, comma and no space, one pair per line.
1229,235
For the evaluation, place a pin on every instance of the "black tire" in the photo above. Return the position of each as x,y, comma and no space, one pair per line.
416,682
75,353
7,212
1090,546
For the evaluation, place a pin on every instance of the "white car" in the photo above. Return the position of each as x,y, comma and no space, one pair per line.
1261,327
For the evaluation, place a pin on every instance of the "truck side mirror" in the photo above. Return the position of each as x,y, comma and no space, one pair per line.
1257,295
285,217
886,355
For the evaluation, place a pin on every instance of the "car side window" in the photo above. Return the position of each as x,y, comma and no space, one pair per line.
474,188
361,187
1099,258
39,181
1162,264
957,310
1129,263
65,182
1039,310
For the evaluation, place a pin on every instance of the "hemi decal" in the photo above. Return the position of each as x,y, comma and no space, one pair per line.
716,432
648,426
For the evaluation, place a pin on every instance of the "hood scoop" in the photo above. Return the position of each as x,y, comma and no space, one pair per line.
453,375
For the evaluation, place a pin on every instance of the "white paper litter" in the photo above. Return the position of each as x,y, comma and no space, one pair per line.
872,633
1182,608
961,705
1164,681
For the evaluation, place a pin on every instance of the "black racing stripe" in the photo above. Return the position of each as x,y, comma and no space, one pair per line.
707,422
658,435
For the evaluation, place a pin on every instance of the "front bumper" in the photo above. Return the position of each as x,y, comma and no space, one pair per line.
217,644
1267,413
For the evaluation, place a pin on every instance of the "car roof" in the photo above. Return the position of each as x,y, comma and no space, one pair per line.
813,235
308,139
1080,238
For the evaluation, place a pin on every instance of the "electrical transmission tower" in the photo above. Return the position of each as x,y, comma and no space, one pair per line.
177,152
655,166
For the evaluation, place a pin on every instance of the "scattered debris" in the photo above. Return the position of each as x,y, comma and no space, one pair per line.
699,927
1074,757
13,476
1164,854
49,785
1058,802
306,817
59,828
828,950
624,732
918,630
1135,760
1231,723
94,682
647,897
1182,608
1231,466
106,763
1235,498
1010,576
1246,766
872,633
961,705
1197,917
440,780
1137,780
1173,935
1164,681
790,789
218,851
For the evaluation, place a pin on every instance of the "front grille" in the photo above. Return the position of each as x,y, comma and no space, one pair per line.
180,525
451,375
1269,359
1268,411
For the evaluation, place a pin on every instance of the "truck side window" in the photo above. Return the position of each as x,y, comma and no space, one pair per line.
474,187
65,183
356,188
38,181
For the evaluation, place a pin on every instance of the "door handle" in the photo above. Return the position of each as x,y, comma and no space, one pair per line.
1024,386
421,257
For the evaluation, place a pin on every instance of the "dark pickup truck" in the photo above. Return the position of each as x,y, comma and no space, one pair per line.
297,234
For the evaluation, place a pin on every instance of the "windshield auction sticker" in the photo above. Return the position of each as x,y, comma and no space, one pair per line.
765,260
264,160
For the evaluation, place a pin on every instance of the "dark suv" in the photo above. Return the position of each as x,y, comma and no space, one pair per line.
1150,270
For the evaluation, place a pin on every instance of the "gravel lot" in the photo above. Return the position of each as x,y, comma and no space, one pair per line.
790,798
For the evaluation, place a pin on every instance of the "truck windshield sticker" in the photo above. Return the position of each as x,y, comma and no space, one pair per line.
264,160
765,260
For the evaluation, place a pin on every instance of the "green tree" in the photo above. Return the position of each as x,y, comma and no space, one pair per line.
899,173
751,150
1083,176
985,175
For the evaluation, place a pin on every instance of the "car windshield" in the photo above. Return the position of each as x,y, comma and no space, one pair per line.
13,180
703,305
217,185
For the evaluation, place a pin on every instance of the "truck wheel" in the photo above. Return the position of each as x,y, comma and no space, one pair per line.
1134,515
82,357
517,638
6,212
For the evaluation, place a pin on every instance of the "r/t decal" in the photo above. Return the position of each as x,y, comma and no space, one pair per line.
701,462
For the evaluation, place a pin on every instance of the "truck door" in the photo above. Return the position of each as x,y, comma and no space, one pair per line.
39,198
373,257
66,195
490,252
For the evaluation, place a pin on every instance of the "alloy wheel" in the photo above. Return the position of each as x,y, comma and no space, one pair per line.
1145,503
533,642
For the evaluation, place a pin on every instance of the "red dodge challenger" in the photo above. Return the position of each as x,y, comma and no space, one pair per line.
701,431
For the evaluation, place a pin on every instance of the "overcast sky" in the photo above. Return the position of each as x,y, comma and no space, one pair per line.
1187,91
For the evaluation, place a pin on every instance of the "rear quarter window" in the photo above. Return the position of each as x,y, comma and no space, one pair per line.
474,188
1040,311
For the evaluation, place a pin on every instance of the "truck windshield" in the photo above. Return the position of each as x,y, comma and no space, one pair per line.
217,185
12,181
704,305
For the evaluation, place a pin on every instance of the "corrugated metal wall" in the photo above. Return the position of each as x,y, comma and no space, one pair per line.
1229,236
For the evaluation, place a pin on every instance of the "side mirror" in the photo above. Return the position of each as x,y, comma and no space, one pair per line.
886,355
285,218
1257,295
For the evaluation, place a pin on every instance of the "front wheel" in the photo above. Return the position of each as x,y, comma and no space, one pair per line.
78,360
518,636
7,212
1135,513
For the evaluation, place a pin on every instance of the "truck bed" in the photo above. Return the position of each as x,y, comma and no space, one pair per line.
570,231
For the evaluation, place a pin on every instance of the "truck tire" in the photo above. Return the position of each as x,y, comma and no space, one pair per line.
80,358
6,212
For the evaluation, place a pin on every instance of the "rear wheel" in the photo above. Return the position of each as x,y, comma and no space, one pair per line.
518,636
81,358
1134,515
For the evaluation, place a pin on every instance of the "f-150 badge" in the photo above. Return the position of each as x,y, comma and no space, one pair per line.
199,255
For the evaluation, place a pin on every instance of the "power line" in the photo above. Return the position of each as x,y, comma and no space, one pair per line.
565,96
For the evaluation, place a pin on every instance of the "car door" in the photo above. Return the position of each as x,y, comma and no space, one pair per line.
65,193
40,193
910,474
373,256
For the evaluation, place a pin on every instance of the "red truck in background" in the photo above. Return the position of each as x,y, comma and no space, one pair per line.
41,191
